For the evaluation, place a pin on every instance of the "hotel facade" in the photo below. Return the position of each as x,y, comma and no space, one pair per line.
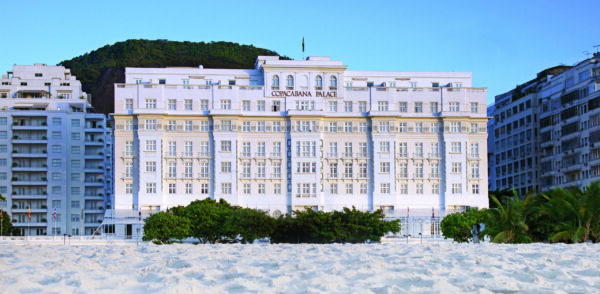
291,134
55,153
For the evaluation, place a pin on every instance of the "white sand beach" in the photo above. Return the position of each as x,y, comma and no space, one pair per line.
377,268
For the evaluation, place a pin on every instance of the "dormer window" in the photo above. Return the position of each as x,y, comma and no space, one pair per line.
318,82
290,82
333,82
275,84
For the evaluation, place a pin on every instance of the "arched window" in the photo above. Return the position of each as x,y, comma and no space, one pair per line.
290,81
333,82
319,82
275,81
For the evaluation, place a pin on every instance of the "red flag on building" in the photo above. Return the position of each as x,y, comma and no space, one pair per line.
54,214
28,213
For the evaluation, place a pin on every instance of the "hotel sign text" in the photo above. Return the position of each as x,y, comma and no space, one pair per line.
326,94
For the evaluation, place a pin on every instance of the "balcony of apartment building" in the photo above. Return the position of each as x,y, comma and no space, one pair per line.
29,123
94,124
29,179
94,153
94,180
29,137
29,165
32,93
93,166
94,139
29,192
23,206
29,151
93,206
37,220
94,193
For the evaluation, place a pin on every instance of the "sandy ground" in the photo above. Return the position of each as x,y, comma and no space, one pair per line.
377,268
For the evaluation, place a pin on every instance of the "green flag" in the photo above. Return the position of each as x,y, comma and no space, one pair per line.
302,44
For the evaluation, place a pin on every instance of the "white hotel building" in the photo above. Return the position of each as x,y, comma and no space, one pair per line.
291,134
55,153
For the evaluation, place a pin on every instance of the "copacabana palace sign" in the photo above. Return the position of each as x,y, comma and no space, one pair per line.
324,94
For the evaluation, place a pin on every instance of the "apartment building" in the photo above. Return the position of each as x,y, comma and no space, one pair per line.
54,163
291,134
570,127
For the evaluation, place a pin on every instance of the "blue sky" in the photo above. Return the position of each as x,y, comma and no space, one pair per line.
502,43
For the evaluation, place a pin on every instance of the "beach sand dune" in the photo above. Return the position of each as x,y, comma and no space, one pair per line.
373,268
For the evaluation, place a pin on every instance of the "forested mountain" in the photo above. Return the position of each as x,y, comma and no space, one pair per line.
101,68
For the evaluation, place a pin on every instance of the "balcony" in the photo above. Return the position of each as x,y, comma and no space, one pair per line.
29,153
276,175
275,154
29,196
260,155
29,168
402,155
17,181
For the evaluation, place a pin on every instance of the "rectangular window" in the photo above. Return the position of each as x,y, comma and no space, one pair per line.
418,107
383,106
384,167
226,188
349,188
475,188
75,163
384,146
75,123
188,188
172,104
150,166
435,188
225,104
150,103
456,188
333,188
455,147
75,149
333,106
474,107
56,135
384,188
188,126
403,107
172,188
150,124
454,106
456,167
363,188
128,104
362,106
204,104
433,106
225,146
151,145
348,106
75,136
260,105
56,163
56,148
56,176
150,188
128,188
246,105
226,167
187,104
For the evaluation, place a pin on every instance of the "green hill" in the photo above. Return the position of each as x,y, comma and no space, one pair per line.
101,68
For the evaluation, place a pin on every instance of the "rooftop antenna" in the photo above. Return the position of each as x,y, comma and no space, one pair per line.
597,46
587,54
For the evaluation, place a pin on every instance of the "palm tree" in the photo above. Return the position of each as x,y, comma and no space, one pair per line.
506,223
576,214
